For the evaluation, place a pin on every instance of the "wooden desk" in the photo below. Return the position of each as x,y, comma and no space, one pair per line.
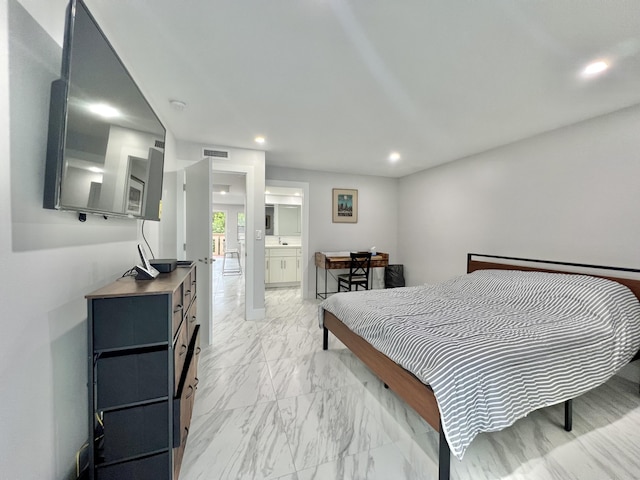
341,260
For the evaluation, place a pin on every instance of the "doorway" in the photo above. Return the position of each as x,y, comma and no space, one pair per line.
199,213
229,208
285,192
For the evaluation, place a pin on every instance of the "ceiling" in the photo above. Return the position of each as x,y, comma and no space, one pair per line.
337,85
234,187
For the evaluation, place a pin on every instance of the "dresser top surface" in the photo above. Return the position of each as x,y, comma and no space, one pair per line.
163,284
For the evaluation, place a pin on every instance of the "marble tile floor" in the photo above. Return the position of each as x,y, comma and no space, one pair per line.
272,405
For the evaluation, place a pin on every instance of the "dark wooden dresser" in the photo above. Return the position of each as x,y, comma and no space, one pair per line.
143,357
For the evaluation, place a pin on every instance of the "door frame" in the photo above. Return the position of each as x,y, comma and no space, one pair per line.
253,277
304,240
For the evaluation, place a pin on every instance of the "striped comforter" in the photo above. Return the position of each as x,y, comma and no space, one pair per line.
495,345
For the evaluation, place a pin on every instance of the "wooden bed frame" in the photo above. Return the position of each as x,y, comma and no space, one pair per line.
418,395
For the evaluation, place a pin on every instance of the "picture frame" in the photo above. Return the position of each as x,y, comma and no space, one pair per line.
345,205
135,195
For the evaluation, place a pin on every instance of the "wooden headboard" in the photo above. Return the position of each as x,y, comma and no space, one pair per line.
476,261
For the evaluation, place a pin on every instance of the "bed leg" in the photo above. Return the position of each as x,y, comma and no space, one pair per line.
568,415
444,457
325,338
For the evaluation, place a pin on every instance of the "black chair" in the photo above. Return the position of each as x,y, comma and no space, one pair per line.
358,272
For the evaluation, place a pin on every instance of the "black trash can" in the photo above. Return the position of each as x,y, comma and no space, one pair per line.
393,276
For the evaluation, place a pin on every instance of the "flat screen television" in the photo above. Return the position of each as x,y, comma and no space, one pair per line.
105,148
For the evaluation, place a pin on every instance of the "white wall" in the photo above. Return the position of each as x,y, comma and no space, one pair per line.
168,232
570,195
170,238
377,217
49,261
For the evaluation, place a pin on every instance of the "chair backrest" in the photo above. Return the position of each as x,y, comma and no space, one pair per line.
360,264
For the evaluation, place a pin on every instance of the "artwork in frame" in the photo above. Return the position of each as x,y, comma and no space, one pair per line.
345,205
134,196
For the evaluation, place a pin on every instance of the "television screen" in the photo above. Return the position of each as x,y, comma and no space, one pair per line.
105,153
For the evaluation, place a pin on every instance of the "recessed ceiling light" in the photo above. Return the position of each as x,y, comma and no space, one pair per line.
595,68
104,110
260,139
178,105
222,189
394,156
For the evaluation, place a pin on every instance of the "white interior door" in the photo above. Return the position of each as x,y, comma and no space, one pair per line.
199,238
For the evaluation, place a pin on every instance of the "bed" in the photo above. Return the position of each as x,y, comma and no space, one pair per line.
562,358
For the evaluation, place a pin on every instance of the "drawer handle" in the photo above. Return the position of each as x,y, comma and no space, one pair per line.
183,349
191,389
188,292
178,308
198,350
196,382
192,319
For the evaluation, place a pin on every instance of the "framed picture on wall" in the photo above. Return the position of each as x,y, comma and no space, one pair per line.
134,196
345,205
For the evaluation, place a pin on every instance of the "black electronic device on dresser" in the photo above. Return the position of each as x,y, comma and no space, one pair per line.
164,265
142,368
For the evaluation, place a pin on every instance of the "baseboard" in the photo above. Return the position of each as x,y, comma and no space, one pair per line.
256,314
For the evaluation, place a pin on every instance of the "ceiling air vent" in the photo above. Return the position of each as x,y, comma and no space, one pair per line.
159,144
208,152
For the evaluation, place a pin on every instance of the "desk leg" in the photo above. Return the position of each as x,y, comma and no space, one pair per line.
325,283
320,294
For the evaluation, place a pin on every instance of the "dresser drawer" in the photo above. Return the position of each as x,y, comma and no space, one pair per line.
187,291
149,468
192,318
193,283
177,310
183,403
131,378
180,354
135,431
178,453
194,347
123,322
